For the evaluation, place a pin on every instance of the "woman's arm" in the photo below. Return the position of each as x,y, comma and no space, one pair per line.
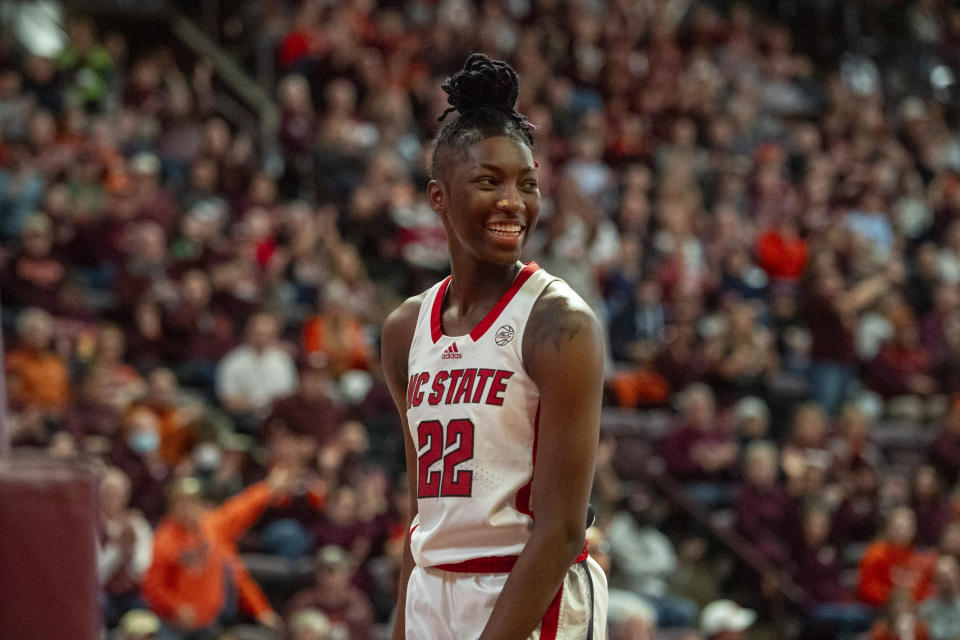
563,353
396,338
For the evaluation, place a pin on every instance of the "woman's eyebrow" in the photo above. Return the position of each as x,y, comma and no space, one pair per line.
496,167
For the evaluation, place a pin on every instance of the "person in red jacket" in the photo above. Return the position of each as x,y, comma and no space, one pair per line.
197,579
894,561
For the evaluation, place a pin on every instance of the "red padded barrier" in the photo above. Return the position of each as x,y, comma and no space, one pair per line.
48,580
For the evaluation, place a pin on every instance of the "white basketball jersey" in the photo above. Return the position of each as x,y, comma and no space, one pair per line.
472,411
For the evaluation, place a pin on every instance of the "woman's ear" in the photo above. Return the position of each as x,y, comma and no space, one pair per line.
436,194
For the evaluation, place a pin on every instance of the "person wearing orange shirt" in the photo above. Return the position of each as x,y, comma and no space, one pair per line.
197,580
38,379
339,335
893,561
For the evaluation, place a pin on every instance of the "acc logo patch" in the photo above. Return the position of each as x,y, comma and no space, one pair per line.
504,335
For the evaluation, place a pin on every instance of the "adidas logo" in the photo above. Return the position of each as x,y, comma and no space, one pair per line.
451,352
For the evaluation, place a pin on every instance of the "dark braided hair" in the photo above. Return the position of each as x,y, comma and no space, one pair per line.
484,92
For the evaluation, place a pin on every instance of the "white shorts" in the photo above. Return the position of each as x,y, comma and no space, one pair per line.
443,605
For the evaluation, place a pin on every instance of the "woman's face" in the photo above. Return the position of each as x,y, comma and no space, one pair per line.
488,198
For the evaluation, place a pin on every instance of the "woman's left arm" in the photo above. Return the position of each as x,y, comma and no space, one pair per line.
563,353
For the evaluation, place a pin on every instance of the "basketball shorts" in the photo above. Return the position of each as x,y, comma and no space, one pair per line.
444,605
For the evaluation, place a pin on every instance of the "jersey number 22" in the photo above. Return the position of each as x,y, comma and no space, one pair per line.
453,445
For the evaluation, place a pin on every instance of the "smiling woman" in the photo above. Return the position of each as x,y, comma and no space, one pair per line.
497,374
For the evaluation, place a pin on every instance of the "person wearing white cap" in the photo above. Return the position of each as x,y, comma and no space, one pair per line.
725,620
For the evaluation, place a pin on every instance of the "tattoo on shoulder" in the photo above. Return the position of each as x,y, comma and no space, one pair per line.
555,322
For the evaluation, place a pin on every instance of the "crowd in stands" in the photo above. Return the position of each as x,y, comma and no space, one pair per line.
761,200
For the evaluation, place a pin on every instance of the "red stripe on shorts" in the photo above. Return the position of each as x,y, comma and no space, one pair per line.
551,618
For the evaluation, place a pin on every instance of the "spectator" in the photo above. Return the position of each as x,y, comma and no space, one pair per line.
857,518
313,411
122,382
643,559
782,251
125,550
929,505
151,200
145,269
637,316
90,417
893,561
831,310
749,359
138,624
941,613
334,596
255,373
817,571
766,514
196,580
310,624
38,380
900,620
697,452
751,420
198,333
725,620
903,367
629,616
33,275
337,334
178,415
137,454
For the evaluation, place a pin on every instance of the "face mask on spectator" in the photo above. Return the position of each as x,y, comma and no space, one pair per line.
144,442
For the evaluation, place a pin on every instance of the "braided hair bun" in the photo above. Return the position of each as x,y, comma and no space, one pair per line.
484,93
482,83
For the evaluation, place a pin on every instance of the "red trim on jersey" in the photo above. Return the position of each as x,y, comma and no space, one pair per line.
523,495
528,270
412,530
436,323
494,564
551,618
489,564
436,327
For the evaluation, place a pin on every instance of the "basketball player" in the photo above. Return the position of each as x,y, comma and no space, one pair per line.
497,373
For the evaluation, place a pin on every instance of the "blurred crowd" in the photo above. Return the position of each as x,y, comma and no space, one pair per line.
761,200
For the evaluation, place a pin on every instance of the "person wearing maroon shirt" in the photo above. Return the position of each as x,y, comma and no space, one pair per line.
857,519
817,569
767,515
90,412
144,271
697,452
903,366
831,310
137,453
152,201
33,276
198,335
311,411
931,508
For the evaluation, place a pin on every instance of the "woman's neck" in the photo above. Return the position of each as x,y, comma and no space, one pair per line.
476,285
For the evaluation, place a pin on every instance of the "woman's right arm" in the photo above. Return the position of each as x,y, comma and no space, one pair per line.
396,338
